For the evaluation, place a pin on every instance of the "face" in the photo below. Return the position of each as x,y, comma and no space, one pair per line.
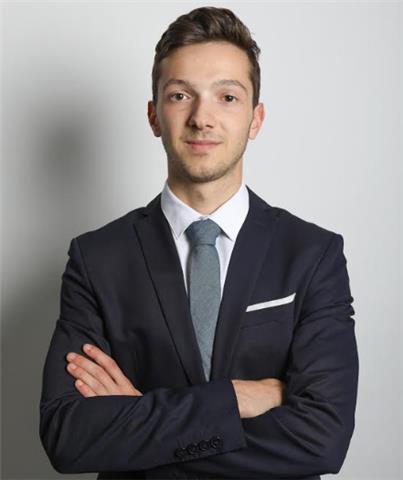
204,112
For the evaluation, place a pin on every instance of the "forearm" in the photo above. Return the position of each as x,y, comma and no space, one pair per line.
123,433
305,436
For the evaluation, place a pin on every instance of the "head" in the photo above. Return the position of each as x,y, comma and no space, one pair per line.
205,87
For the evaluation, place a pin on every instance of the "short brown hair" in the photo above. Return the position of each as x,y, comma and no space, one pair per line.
203,25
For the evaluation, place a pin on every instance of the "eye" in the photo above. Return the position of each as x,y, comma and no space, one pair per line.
177,97
230,98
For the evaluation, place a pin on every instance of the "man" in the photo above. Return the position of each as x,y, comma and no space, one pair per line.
220,330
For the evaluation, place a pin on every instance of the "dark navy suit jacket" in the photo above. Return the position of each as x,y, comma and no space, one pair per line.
123,291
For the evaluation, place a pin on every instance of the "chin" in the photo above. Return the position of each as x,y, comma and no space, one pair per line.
202,176
199,169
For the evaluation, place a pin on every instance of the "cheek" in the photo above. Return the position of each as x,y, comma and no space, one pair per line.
168,130
174,113
173,126
236,122
238,132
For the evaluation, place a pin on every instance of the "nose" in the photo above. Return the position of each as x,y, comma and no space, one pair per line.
202,115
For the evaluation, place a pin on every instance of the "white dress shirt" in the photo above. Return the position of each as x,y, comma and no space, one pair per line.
229,216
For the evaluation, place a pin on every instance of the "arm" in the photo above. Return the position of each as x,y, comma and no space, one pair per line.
309,433
121,432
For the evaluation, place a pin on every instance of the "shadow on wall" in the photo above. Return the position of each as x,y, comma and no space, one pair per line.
54,185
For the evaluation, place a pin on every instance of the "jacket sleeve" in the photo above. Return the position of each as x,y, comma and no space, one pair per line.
121,432
309,434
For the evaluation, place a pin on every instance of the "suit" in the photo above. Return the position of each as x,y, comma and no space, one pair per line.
285,313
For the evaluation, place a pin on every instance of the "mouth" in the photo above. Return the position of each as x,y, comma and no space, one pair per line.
201,146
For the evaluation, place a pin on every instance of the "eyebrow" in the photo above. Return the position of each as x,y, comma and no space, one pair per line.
218,83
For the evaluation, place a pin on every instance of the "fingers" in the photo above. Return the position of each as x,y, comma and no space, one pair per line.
107,363
90,374
100,375
84,389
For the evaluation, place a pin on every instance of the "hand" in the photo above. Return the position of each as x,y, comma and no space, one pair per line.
101,378
258,396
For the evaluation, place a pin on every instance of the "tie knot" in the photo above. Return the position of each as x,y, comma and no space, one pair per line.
203,232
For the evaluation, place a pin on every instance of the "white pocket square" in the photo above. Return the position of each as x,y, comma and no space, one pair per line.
271,303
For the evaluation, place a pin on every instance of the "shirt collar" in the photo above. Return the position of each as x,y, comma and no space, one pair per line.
229,216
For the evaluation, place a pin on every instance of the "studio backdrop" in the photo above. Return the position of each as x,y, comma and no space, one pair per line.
78,152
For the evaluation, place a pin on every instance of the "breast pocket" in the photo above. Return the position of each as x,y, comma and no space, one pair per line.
274,310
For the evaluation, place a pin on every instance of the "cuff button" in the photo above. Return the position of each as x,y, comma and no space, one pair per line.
180,452
191,449
204,445
216,442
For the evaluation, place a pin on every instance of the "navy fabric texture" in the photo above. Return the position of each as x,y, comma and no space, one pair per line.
123,290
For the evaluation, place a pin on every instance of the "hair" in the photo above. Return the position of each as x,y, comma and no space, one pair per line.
207,24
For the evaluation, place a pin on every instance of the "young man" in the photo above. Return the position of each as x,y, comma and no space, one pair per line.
220,330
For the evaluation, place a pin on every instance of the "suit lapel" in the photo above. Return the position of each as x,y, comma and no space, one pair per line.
163,262
246,261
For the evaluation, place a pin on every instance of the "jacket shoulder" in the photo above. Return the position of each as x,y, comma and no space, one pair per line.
302,226
290,225
303,238
112,236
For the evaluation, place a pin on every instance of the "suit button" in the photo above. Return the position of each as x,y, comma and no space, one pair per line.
191,449
203,445
216,442
180,452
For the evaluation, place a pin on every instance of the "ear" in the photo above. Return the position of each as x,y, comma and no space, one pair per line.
258,117
153,119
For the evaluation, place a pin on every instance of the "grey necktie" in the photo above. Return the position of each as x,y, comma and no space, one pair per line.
204,285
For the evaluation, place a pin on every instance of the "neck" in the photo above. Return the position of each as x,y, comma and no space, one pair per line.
206,197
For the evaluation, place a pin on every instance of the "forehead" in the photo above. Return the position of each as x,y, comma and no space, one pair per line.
206,62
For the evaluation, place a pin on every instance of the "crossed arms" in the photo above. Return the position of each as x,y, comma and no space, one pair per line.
101,375
109,425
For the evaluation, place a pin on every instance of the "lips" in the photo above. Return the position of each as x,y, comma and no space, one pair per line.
201,145
202,142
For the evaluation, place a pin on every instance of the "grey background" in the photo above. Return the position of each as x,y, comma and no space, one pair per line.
78,152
